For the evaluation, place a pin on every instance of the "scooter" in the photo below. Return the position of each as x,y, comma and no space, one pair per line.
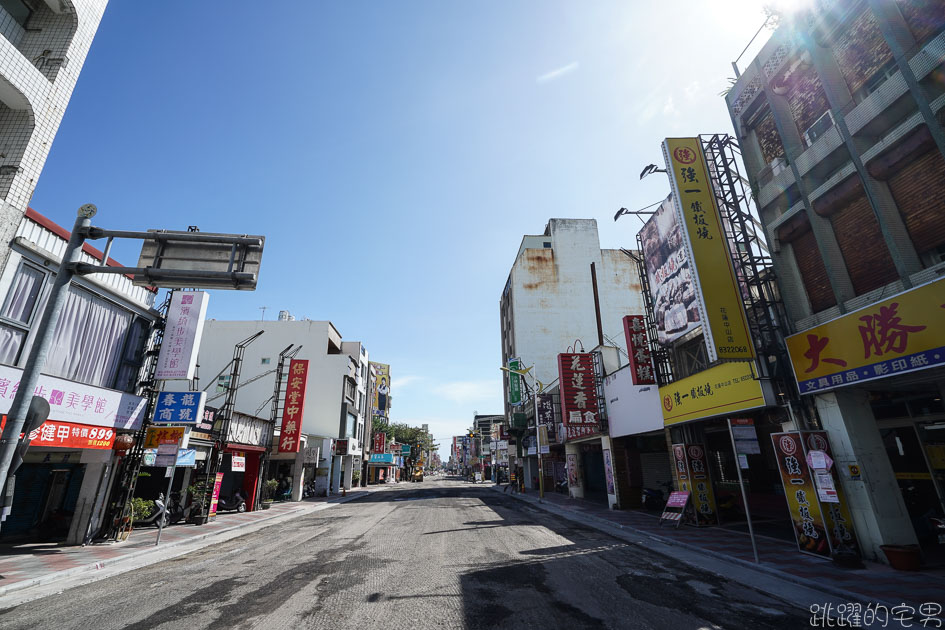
236,502
159,511
653,499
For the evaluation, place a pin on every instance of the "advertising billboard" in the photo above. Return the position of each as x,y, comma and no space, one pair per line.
381,389
727,335
290,437
183,329
720,390
901,334
672,289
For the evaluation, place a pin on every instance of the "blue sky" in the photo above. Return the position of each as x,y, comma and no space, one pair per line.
393,153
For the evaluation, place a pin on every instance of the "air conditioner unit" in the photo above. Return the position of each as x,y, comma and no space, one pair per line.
819,128
777,165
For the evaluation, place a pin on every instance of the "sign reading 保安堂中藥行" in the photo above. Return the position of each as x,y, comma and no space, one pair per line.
292,414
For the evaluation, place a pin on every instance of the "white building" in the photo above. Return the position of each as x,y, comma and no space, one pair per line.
42,49
336,401
547,306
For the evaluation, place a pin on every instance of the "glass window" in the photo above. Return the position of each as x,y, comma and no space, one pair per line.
349,427
17,9
19,309
132,357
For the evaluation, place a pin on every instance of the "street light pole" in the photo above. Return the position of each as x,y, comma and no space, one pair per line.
47,327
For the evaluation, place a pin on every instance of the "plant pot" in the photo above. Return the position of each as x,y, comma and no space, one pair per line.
267,504
903,557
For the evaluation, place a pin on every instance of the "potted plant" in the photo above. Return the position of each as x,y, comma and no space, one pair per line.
269,492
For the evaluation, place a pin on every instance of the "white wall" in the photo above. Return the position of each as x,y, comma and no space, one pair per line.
323,394
553,298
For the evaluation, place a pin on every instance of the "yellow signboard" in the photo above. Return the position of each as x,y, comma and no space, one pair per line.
156,435
901,334
723,389
727,335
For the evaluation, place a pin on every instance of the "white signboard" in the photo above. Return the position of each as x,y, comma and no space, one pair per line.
631,409
75,402
182,332
239,463
247,430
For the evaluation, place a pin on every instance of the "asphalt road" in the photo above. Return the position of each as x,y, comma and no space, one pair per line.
441,554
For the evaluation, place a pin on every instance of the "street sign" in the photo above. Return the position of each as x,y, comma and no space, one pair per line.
179,407
177,260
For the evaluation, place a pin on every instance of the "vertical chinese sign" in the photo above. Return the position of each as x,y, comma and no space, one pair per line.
837,516
726,335
291,433
381,389
182,332
801,495
380,443
515,383
577,386
692,475
609,472
546,415
641,364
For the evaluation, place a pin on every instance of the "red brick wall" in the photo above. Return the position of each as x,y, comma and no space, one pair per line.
926,18
919,191
806,98
860,49
868,261
813,271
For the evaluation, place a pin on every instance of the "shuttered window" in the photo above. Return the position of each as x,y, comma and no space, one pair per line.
919,190
864,251
813,272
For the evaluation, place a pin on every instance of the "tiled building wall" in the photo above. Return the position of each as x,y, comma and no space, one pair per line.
813,272
919,191
806,98
41,83
864,251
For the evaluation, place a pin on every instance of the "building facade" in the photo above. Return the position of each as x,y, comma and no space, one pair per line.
42,50
839,120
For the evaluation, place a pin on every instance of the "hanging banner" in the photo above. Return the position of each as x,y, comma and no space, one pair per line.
515,383
800,494
381,389
574,475
290,436
183,329
898,335
179,407
641,364
609,472
380,443
215,497
578,391
727,335
543,445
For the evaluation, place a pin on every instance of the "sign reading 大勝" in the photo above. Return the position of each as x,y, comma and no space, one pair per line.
179,407
178,357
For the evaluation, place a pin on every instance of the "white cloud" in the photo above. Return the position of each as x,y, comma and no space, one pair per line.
669,107
403,381
557,73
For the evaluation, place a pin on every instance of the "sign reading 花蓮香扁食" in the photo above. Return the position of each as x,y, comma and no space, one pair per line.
726,332
290,436
177,359
578,389
901,334
725,388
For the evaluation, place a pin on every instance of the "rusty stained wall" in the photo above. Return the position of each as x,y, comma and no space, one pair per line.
552,299
860,49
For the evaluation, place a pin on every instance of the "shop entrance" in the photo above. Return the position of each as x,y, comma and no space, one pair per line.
595,483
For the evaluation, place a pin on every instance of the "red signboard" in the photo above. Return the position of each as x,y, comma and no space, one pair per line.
677,499
69,435
341,447
380,443
641,364
289,439
579,408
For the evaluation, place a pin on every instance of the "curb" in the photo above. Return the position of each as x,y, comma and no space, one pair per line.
602,522
143,553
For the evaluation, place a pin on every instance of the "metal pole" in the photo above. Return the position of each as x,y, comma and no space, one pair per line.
741,485
541,475
167,497
37,356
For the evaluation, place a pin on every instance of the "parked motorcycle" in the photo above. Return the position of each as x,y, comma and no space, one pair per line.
237,502
158,512
653,499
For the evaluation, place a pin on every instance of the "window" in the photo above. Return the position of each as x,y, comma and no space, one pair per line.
264,361
18,311
223,381
819,128
546,245
89,339
18,10
349,426
880,77
132,357
349,389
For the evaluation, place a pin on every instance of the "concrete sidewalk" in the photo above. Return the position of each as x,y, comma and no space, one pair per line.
876,583
28,566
